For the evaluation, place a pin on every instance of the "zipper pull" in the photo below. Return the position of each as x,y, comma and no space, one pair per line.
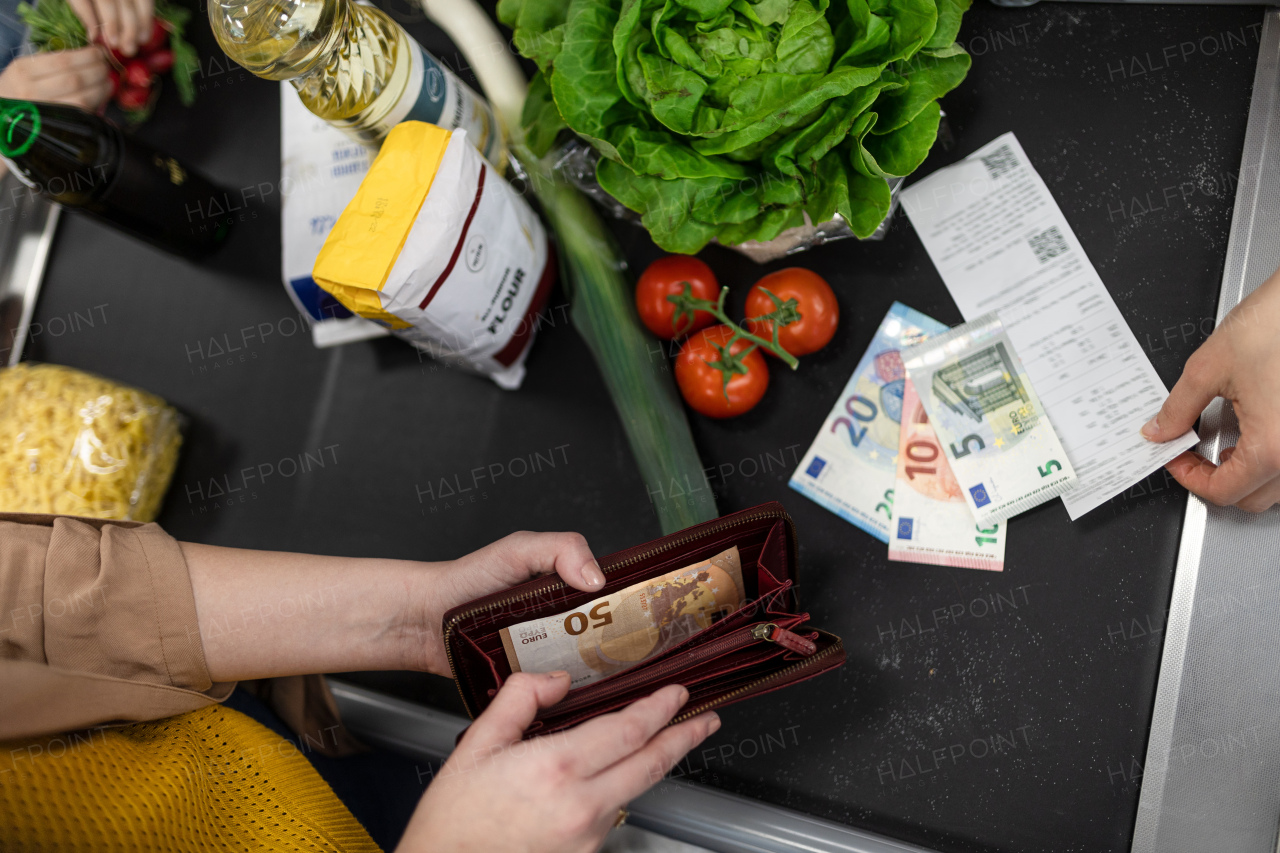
789,641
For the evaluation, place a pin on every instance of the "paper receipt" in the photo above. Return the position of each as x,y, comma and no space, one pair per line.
1001,243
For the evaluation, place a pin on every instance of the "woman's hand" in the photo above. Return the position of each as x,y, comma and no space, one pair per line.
269,613
75,77
1239,361
503,564
122,24
555,794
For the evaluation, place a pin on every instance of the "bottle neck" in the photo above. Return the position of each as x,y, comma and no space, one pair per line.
64,152
281,39
329,52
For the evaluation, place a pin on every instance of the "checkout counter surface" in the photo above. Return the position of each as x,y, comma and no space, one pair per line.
978,711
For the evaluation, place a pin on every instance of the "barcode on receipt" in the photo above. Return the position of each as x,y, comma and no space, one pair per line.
1048,244
1000,161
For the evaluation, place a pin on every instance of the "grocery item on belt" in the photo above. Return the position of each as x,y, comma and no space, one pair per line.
640,387
739,122
439,249
76,444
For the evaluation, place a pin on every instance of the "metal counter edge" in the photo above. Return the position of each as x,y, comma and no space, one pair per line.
1218,677
696,815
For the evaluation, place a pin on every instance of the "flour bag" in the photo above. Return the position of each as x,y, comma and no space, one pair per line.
437,247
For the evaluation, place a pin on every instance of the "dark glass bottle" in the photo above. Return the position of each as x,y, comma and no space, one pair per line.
80,160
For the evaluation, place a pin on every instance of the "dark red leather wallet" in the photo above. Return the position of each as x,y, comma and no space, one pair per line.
764,645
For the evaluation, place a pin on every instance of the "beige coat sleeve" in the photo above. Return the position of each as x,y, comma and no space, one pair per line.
97,626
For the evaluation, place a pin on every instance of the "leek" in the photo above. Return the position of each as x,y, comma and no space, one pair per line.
632,362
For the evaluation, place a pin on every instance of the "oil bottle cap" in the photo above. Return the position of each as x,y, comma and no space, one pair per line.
19,127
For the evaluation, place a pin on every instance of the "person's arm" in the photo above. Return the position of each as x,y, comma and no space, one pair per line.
97,624
1241,362
110,621
117,621
266,613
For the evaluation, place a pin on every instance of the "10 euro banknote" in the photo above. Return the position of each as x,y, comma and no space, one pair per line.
932,523
617,631
850,467
988,419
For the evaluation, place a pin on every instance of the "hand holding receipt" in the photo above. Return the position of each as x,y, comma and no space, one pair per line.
1001,244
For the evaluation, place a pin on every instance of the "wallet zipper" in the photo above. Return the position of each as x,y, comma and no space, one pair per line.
666,546
746,688
743,637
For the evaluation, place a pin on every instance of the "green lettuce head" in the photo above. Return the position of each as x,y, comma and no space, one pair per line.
731,120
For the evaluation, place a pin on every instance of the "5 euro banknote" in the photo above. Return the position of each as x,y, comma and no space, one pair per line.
992,427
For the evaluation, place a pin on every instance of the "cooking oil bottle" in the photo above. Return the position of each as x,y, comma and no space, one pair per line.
354,67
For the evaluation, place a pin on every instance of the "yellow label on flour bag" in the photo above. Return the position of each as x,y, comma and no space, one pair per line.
438,248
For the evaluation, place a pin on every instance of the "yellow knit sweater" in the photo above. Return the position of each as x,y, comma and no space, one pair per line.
211,779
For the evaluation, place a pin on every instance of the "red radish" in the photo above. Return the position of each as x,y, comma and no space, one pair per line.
133,97
159,35
137,74
160,61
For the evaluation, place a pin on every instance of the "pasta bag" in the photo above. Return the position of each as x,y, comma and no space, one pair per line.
76,444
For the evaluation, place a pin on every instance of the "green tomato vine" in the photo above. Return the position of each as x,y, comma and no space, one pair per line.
784,313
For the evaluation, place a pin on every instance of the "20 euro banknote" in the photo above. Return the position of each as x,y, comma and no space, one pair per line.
932,523
993,430
849,468
617,631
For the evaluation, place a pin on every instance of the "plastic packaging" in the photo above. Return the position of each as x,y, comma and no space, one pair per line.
321,168
76,444
576,161
439,249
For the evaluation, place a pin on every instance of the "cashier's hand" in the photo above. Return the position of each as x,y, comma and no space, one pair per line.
1239,361
504,563
554,794
122,24
75,77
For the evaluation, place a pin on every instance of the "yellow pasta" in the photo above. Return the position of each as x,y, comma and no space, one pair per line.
76,444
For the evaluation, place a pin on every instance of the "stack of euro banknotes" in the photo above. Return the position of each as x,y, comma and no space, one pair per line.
936,442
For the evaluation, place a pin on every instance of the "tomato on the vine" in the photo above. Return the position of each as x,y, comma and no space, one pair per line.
667,277
819,312
703,386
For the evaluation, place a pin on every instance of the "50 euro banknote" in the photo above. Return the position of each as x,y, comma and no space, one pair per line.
849,468
932,522
617,631
992,428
